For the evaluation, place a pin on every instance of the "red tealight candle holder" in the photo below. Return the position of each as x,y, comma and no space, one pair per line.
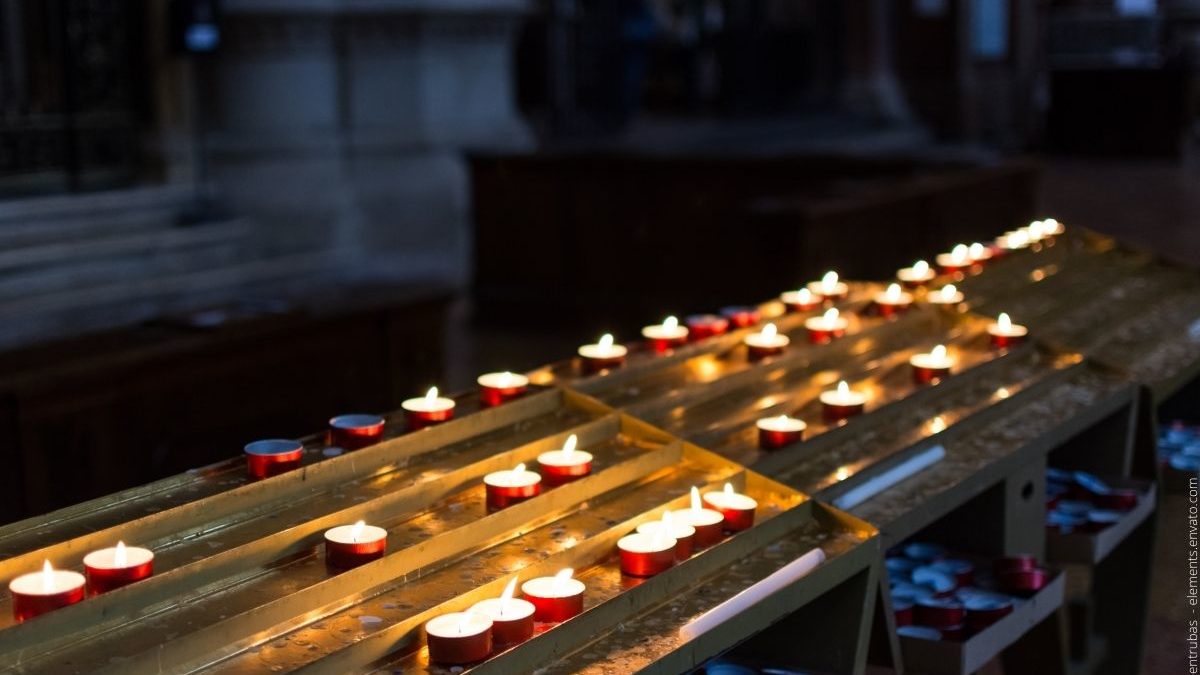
36,593
742,316
1015,563
903,610
737,509
1004,333
497,388
555,598
842,403
348,546
931,367
803,300
939,612
512,618
645,555
767,342
558,467
683,534
428,410
1117,499
701,326
667,335
983,611
601,356
351,432
459,638
830,288
778,432
826,328
708,523
272,457
111,568
505,488
1024,581
957,260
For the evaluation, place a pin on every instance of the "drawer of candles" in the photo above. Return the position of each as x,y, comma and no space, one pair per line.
379,539
1087,516
954,612
777,405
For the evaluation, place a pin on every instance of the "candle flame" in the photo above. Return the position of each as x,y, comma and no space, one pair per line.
463,620
892,293
829,281
937,425
507,596
729,488
920,268
670,323
120,559
1004,322
47,577
769,330
507,377
949,291
783,419
357,531
561,578
606,340
938,352
656,539
831,315
696,499
568,448
431,395
666,520
805,295
975,250
843,387
520,468
959,253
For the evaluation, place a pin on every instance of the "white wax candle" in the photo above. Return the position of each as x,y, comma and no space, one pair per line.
358,533
504,380
640,542
768,338
669,329
802,296
1004,327
697,515
605,348
728,499
560,585
831,320
669,525
512,478
829,286
505,607
946,295
458,624
920,272
567,455
843,396
902,471
893,296
782,423
936,359
48,581
428,403
118,557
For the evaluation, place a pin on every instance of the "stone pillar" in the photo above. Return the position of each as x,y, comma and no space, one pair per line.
870,87
342,124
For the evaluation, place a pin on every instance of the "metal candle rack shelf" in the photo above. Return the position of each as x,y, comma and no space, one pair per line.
240,577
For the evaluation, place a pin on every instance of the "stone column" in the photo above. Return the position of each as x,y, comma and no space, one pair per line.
870,87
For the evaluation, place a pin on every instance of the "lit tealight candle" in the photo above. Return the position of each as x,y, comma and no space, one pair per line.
497,388
979,253
843,402
505,488
348,546
777,432
115,567
801,300
827,327
512,618
767,342
351,432
1052,227
916,276
1013,241
946,296
603,355
459,637
555,598
1035,231
666,335
36,593
829,287
741,316
566,464
738,509
701,326
892,301
683,534
955,261
646,554
931,366
428,410
707,522
1005,333
272,457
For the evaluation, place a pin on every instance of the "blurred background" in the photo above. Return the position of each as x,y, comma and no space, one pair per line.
222,221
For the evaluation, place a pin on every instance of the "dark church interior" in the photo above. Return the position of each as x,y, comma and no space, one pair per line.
866,332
